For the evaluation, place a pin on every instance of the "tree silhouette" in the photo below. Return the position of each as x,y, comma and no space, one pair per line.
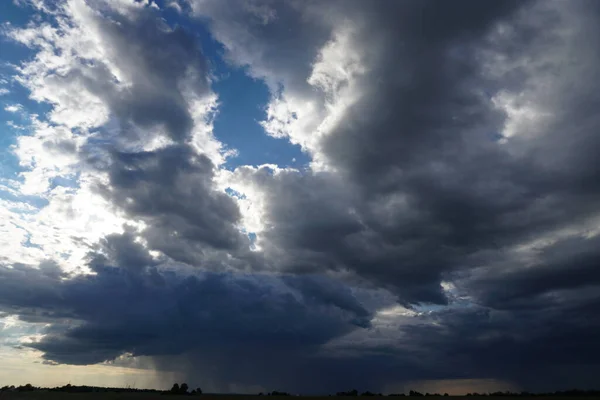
353,392
184,388
175,388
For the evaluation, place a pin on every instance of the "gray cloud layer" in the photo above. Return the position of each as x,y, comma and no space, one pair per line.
425,201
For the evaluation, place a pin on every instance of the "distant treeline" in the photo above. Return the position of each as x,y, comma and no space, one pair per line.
413,393
183,389
75,389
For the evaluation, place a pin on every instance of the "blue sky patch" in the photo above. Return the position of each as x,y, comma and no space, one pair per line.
242,105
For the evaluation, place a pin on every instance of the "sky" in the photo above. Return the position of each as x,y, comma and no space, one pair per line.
307,196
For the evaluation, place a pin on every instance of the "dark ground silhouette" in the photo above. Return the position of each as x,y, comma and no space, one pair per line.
183,389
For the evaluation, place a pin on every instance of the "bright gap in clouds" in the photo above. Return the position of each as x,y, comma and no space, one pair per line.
242,106
15,104
242,102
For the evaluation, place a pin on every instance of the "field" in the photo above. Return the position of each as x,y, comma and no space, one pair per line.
156,396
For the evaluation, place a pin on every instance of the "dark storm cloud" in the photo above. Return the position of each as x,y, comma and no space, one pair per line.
421,192
424,187
26,288
560,270
425,192
315,226
172,191
422,111
154,312
537,349
122,250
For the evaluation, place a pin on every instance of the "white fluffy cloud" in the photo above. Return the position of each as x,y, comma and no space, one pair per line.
85,67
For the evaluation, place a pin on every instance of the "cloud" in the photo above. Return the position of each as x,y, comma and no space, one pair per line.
171,191
450,155
106,86
524,347
144,310
179,241
419,186
446,227
13,108
558,273
145,82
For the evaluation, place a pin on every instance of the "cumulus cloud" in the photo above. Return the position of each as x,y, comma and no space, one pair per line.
13,108
446,227
151,311
171,191
103,77
146,82
450,154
